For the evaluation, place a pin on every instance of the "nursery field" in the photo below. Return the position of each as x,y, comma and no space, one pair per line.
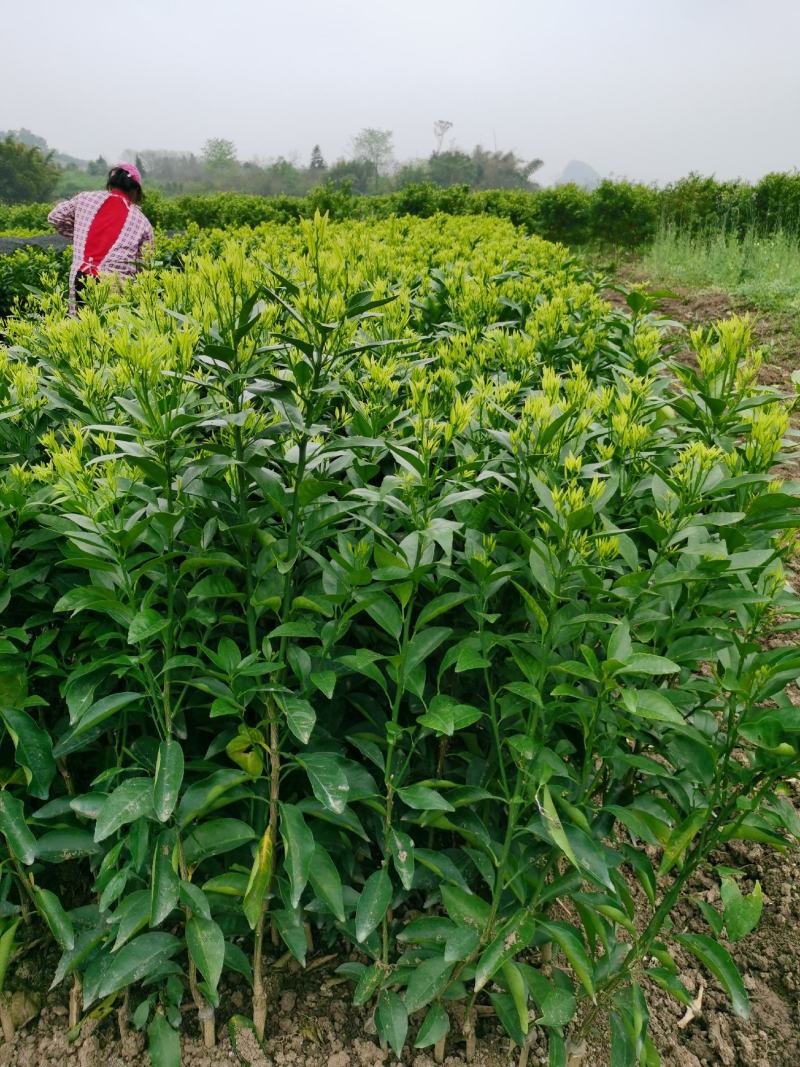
397,660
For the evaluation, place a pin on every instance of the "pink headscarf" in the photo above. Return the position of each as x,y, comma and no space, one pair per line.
129,169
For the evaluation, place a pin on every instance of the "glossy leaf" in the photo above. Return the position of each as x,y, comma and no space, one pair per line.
376,896
718,960
163,1043
168,779
258,882
33,750
207,948
298,847
391,1021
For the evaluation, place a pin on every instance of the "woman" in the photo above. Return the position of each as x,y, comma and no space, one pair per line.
108,230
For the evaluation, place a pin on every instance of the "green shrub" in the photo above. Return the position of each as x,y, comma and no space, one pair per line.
29,269
562,214
623,214
381,578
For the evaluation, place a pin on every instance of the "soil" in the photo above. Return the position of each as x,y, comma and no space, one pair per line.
777,334
312,1022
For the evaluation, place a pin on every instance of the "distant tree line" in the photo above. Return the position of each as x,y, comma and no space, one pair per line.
30,171
369,168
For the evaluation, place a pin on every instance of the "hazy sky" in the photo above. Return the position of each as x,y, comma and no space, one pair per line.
647,89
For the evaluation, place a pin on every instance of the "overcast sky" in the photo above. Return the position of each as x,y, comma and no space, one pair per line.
646,89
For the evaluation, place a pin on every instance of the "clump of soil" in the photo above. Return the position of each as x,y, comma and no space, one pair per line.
312,1025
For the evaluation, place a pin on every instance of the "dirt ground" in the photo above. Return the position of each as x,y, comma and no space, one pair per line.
778,334
313,1024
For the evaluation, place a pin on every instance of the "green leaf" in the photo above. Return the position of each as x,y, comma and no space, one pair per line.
326,882
86,942
132,916
391,1021
300,716
556,1050
711,916
670,984
373,904
438,606
258,882
103,709
422,798
435,1026
7,948
163,1043
328,780
168,779
114,888
465,908
298,847
144,625
742,913
644,663
515,984
108,974
204,795
402,850
554,828
470,659
650,704
214,838
129,802
230,884
423,644
513,938
718,960
207,948
506,1012
619,644
446,716
427,981
290,927
571,943
164,883
215,585
385,612
557,1008
461,943
49,906
368,983
192,897
33,750
14,828
236,960
680,839
56,846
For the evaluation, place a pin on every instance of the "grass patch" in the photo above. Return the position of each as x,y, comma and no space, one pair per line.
764,271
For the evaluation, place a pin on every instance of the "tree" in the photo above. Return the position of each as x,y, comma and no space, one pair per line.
219,153
354,174
502,170
374,147
317,162
451,168
26,137
98,166
440,128
140,166
26,174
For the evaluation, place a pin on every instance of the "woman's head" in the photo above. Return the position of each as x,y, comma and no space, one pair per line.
126,178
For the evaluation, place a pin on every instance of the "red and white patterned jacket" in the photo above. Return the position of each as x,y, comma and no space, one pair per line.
108,231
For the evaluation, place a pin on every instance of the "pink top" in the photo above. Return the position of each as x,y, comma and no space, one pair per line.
73,218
